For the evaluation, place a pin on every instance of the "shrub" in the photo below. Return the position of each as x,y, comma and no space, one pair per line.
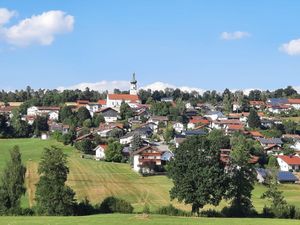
170,210
115,205
211,213
146,209
84,208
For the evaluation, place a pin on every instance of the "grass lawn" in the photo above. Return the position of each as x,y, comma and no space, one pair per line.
97,180
138,220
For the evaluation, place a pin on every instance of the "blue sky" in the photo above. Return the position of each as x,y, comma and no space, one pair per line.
175,42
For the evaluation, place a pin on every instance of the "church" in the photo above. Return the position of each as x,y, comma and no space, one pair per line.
132,99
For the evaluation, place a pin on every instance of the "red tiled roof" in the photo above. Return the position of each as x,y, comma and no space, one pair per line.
256,134
196,120
294,101
291,160
102,102
123,97
257,103
104,146
236,127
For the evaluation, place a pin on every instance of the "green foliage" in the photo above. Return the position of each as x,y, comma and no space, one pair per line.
115,205
40,124
168,134
53,197
137,142
170,210
85,146
241,176
65,113
98,119
272,163
12,184
197,173
87,123
290,126
254,119
114,152
125,111
271,133
82,115
160,108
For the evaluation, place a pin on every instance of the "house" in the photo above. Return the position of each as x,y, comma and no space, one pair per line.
100,152
146,159
102,103
7,110
256,134
93,108
190,112
64,129
143,132
288,163
159,119
215,115
266,142
178,127
105,129
110,115
267,123
295,138
295,103
232,128
257,104
282,176
50,111
197,121
82,103
179,139
194,132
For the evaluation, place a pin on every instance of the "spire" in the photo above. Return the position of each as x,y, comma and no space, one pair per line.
133,81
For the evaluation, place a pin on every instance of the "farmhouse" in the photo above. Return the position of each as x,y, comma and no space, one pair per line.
146,159
100,152
288,163
110,115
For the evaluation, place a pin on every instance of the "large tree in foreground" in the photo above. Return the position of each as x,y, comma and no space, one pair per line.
197,173
241,178
12,184
53,197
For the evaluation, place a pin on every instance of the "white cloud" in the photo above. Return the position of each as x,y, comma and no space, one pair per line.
6,15
234,35
124,86
297,88
100,86
38,29
160,86
291,48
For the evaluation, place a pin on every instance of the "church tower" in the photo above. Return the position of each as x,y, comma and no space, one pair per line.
133,85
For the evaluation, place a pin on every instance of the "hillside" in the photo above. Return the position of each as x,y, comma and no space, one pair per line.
97,180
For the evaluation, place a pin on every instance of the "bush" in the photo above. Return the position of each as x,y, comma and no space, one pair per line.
211,213
146,209
84,208
115,205
170,210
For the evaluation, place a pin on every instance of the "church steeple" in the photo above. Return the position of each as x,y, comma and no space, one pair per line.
133,85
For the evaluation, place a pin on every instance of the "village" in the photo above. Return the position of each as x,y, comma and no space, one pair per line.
148,140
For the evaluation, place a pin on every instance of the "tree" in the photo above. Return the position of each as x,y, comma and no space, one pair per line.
12,184
20,127
3,126
114,152
273,163
82,115
85,146
242,177
65,113
290,126
40,124
274,195
125,111
87,123
253,119
53,197
169,133
227,103
98,119
137,142
197,173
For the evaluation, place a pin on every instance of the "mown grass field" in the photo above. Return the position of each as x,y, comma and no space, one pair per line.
97,180
116,219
